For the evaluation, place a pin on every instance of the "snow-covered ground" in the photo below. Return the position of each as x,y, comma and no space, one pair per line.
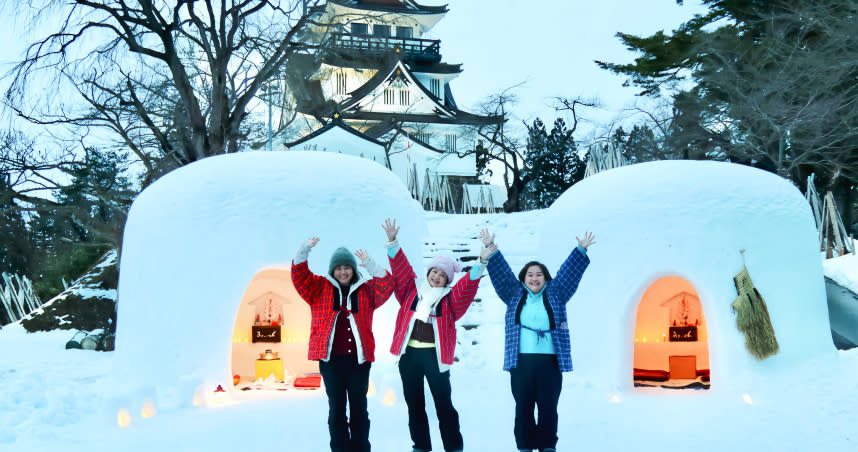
69,400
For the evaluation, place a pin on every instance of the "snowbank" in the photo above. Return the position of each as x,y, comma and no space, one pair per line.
690,219
195,239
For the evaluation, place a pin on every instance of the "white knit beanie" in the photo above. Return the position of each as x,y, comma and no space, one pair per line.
448,265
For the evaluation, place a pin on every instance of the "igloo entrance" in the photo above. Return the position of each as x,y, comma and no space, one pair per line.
671,341
270,336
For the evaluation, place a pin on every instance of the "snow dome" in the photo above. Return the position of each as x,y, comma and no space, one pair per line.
204,280
654,307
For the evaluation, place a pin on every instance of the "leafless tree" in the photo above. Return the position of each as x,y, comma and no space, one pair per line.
498,144
171,80
34,177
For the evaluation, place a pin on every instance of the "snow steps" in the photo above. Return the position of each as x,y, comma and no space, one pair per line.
464,250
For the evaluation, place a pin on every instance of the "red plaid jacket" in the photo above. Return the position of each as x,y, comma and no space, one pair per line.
452,307
319,292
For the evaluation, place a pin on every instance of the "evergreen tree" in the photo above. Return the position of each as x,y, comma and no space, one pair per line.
640,144
553,162
752,81
16,251
84,223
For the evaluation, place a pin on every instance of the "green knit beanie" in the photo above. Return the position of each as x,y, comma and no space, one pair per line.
342,256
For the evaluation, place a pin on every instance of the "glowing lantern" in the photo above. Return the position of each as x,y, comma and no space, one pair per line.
747,398
615,398
389,398
217,398
370,391
124,418
148,409
198,397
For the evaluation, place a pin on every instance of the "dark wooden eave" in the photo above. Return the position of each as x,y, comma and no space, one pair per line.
392,6
461,118
330,125
381,62
310,100
396,69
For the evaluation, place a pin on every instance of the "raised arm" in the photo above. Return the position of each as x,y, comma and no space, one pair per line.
506,285
382,281
462,295
404,278
570,272
307,284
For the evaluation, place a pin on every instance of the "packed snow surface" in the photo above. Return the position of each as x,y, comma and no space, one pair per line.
75,400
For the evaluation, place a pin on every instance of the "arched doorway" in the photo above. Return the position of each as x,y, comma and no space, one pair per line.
271,317
671,341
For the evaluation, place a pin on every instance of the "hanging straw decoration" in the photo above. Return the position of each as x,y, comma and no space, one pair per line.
752,317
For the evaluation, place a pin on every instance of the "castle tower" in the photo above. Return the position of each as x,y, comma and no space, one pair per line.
376,79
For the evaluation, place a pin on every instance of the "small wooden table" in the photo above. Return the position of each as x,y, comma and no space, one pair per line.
266,367
683,367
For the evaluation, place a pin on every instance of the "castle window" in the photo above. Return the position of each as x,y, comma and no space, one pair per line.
404,97
359,28
389,96
435,87
404,32
341,83
381,30
451,142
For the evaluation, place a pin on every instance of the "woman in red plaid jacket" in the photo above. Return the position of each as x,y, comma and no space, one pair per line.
425,337
342,303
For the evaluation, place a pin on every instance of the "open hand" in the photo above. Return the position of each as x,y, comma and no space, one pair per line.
487,251
362,255
588,240
391,229
487,238
311,242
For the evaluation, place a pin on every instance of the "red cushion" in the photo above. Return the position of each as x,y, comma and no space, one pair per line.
651,374
309,381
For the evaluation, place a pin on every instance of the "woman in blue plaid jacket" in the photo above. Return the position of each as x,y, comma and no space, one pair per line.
537,347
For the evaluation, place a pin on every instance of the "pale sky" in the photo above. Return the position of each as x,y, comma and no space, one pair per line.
550,45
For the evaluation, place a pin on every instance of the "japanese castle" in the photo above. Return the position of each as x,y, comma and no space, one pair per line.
377,89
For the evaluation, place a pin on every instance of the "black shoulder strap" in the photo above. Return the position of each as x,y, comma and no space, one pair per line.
520,307
336,303
354,301
548,310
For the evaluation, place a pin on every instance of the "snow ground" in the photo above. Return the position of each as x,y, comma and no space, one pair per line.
56,399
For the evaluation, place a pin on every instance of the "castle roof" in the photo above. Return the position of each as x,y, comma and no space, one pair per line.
391,6
336,122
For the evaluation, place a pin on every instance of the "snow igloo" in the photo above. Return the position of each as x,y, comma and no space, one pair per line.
205,294
654,307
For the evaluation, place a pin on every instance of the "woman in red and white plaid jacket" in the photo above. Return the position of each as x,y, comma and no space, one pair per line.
342,302
425,337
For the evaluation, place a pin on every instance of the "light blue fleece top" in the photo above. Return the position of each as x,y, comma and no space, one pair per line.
534,315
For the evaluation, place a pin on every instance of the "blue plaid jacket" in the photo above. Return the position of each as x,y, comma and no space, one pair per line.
557,293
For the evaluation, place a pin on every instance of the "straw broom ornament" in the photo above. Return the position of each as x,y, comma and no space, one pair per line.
752,316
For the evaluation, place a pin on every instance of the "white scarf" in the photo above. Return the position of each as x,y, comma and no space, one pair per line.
427,299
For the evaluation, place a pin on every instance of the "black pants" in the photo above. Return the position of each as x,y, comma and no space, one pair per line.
536,383
345,379
414,365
